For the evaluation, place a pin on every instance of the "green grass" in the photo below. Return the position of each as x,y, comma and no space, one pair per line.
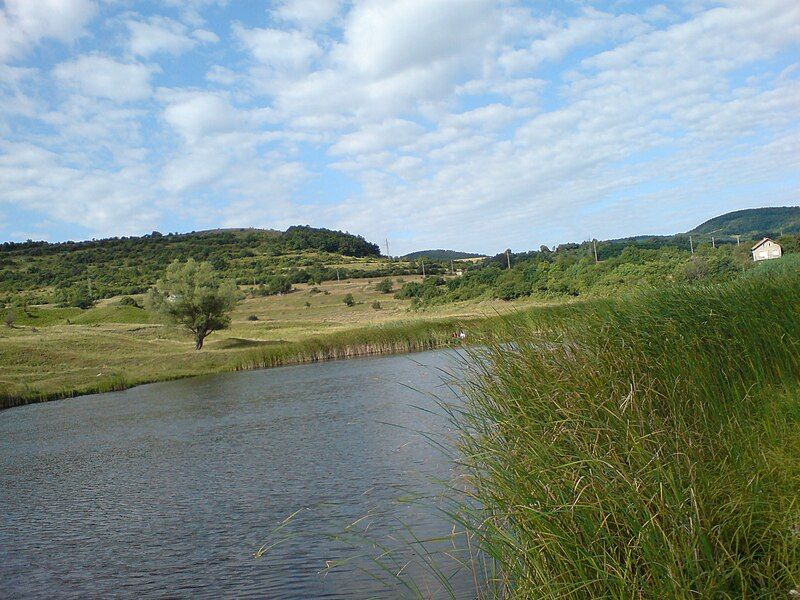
642,448
60,352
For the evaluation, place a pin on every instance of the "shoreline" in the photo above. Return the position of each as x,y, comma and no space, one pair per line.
405,338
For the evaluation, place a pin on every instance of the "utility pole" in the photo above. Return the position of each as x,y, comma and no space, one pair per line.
691,245
594,245
387,248
713,243
508,258
422,261
337,275
452,270
738,241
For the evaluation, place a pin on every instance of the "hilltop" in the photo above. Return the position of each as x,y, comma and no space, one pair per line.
440,254
753,222
129,265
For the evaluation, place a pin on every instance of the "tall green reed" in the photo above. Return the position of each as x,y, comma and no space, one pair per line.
643,448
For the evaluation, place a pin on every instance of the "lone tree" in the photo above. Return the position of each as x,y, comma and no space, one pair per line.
192,295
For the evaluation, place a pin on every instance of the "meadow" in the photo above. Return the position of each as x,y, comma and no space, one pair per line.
54,352
643,447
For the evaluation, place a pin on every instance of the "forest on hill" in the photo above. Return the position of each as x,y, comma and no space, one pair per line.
130,265
754,222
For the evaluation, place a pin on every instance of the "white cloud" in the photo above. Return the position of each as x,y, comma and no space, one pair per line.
308,13
104,77
205,36
24,23
394,132
383,38
201,114
286,51
592,27
158,34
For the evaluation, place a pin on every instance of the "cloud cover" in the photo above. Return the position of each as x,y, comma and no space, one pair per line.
476,124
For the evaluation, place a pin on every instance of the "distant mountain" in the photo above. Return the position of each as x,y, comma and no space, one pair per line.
754,222
441,255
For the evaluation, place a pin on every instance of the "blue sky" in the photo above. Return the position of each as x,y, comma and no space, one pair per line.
468,124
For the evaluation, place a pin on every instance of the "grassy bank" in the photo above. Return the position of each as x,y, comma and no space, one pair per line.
365,341
60,352
645,448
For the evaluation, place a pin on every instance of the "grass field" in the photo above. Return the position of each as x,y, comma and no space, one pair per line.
57,352
646,447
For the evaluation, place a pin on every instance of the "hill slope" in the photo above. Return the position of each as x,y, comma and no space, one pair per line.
754,222
130,265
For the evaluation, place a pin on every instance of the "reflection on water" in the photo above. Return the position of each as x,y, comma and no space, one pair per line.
170,489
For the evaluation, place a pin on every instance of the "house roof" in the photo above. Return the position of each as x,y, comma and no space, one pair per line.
760,243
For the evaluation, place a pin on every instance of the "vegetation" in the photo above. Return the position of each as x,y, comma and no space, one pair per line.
99,269
191,294
55,352
646,447
349,300
571,270
754,222
385,286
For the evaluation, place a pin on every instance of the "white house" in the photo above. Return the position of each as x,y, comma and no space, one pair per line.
766,249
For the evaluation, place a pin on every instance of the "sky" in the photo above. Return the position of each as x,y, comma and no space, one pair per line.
475,125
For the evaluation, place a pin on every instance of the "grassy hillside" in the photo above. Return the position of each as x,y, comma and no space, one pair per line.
130,265
643,448
754,222
441,255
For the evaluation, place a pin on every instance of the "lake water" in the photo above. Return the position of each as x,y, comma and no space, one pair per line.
170,489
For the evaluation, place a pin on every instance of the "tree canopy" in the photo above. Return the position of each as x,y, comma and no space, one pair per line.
191,294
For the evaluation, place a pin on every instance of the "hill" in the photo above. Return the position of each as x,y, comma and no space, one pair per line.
129,265
441,255
754,222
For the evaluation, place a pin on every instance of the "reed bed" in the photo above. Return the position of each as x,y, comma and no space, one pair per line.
642,448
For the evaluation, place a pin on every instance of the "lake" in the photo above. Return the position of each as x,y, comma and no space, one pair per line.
171,489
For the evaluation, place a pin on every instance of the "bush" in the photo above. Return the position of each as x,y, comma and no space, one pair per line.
376,305
11,317
385,286
252,318
349,300
79,296
129,301
276,284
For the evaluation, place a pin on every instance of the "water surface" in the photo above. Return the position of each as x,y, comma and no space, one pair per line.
170,489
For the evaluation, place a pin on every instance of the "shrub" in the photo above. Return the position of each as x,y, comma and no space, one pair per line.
129,301
11,317
252,318
376,305
349,300
385,286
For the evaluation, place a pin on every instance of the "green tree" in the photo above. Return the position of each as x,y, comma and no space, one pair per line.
191,294
11,317
349,300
